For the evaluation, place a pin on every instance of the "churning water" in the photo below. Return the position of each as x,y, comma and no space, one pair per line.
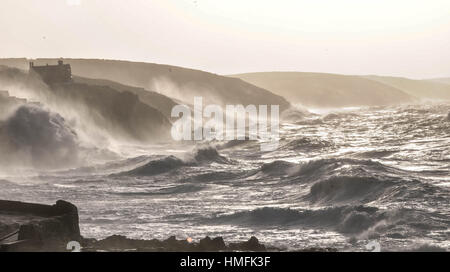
338,179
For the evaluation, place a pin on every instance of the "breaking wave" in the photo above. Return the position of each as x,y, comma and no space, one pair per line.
35,137
347,189
200,156
324,168
345,181
317,170
345,219
156,167
277,168
350,220
208,154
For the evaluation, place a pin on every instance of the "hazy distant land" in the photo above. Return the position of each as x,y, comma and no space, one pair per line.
333,90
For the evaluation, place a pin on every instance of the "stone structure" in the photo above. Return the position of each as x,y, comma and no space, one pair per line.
51,74
36,227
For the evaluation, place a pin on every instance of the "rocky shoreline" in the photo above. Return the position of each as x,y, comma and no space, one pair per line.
207,244
37,227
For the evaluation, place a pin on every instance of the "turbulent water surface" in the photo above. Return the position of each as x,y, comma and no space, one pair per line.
338,179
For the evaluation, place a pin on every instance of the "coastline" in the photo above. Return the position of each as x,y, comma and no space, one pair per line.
34,227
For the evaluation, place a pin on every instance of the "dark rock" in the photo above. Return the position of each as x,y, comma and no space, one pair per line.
208,244
69,218
88,242
59,229
251,245
172,244
114,241
55,227
122,243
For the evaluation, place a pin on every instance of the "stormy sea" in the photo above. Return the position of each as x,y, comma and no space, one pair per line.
340,177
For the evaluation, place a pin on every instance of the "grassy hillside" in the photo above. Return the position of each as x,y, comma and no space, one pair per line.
445,80
156,100
420,88
176,82
327,90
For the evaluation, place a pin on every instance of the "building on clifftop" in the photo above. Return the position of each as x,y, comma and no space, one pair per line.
50,74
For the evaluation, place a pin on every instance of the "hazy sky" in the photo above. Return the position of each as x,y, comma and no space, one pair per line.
387,37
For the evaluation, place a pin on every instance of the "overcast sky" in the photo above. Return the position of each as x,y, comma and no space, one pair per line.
387,37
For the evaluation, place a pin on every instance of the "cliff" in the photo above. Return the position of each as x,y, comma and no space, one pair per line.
96,107
172,81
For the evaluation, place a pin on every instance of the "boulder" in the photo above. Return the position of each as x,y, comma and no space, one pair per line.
251,245
208,244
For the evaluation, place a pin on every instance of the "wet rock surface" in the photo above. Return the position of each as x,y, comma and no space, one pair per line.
122,243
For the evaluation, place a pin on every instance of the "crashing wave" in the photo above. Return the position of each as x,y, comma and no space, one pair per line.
321,169
156,167
208,154
38,138
159,166
345,181
361,221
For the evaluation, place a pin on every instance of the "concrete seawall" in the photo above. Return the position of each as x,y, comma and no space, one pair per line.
36,227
